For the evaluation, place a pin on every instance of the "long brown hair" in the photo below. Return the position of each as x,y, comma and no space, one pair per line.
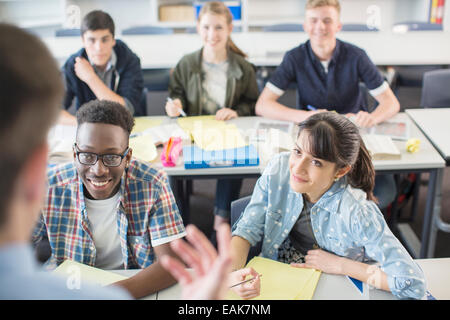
334,138
219,8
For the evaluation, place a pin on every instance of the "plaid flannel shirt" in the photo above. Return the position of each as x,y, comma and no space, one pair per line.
147,216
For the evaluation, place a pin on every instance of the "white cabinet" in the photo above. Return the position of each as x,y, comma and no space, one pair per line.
254,13
32,13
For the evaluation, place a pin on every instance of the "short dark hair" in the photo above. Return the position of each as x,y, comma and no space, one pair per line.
97,20
104,111
31,93
334,138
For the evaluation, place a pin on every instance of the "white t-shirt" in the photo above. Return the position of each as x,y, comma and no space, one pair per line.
102,215
214,86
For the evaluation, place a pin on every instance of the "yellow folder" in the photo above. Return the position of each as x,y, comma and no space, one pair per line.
210,134
281,281
143,123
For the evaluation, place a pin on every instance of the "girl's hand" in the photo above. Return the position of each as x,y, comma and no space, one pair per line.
321,260
173,108
246,290
226,114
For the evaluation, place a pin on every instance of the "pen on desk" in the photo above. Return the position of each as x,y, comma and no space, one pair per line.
180,109
245,281
311,108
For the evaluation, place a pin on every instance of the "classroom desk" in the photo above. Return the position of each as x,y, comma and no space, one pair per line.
335,287
434,123
426,160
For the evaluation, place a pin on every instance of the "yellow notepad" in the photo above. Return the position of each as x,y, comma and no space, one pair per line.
280,281
188,123
143,123
308,290
210,134
84,273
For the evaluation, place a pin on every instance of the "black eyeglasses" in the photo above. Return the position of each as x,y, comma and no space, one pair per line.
90,158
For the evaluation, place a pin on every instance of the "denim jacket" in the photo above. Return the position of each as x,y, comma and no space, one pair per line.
343,222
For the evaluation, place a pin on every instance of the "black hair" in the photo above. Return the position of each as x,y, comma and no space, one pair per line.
334,138
97,20
105,111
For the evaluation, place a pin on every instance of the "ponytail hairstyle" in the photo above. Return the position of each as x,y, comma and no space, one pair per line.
334,138
219,8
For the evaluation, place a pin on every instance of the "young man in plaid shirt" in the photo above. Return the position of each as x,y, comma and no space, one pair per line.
107,209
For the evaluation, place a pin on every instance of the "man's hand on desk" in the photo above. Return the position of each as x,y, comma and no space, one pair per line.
65,118
362,119
210,270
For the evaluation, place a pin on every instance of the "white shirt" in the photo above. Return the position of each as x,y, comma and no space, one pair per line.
214,85
103,219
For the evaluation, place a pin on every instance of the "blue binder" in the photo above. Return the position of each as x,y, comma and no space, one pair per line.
196,158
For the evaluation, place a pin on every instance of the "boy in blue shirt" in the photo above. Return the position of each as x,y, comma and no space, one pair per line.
104,69
327,72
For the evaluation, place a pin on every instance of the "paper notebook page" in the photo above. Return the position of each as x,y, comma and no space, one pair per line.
279,281
87,273
378,144
308,290
143,123
61,138
163,133
188,123
218,137
211,134
143,147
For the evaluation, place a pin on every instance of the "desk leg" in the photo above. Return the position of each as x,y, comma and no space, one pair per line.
428,215
436,214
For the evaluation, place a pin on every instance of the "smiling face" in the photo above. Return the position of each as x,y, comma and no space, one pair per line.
101,182
321,24
309,175
99,45
214,31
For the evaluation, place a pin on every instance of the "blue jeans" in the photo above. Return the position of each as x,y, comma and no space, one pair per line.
227,191
385,189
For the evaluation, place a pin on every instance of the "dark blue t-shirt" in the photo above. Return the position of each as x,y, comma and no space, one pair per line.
336,90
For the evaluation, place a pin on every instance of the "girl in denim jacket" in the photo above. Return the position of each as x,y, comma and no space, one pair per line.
314,208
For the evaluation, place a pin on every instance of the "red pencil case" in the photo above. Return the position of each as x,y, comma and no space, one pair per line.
171,152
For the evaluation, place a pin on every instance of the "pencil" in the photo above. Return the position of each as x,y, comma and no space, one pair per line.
245,281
